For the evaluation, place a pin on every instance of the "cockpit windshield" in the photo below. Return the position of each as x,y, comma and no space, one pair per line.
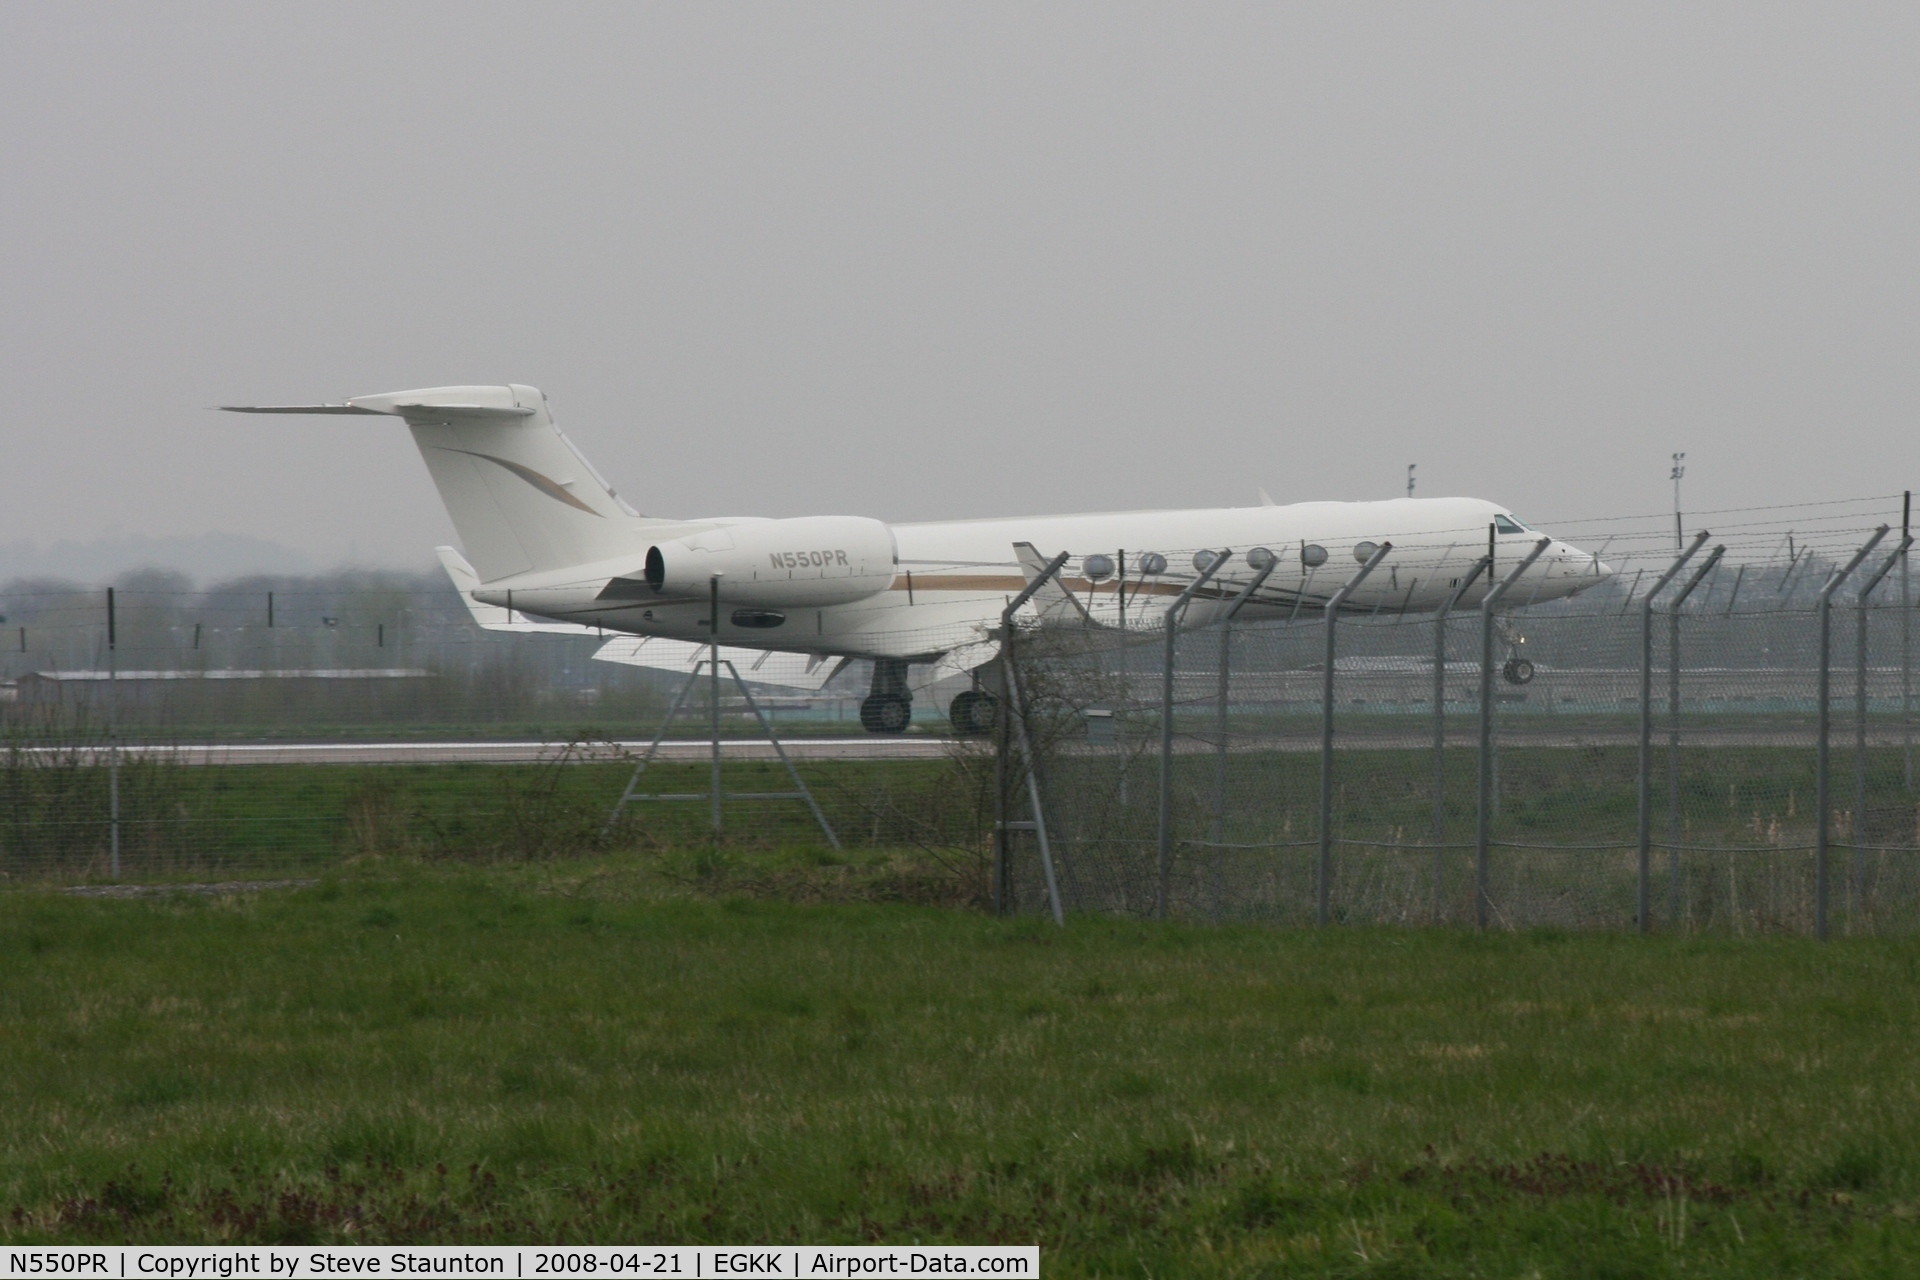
1507,524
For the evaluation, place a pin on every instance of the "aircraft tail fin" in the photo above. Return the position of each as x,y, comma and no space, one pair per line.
521,496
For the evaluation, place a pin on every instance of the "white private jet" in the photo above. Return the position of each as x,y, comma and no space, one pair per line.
552,546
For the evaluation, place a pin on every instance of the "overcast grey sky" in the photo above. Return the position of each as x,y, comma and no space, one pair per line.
923,261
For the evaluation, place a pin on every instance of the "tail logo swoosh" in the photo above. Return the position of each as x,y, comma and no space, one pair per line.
545,484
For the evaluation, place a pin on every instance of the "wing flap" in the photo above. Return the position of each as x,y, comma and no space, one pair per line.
756,666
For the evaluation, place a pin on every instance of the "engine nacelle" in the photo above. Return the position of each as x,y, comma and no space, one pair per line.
806,562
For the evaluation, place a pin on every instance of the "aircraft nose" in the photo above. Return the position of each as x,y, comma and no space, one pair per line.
1589,568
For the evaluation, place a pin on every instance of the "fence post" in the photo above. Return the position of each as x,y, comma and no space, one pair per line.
1907,649
713,695
1163,858
113,737
1002,831
1017,707
1823,821
1857,879
1673,731
1481,832
1643,905
1221,727
1323,874
1002,744
1440,726
1226,653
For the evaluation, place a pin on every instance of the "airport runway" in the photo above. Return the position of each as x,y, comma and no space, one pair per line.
1538,732
203,753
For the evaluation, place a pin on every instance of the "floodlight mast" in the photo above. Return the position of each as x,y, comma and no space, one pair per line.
1679,471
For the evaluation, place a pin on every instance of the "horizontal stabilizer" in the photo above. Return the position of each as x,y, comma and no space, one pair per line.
380,405
435,412
296,408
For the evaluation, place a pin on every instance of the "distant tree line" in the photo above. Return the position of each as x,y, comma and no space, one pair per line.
352,621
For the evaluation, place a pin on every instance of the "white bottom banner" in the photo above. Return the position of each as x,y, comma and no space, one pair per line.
223,1262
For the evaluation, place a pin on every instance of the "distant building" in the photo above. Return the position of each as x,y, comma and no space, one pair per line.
226,687
233,673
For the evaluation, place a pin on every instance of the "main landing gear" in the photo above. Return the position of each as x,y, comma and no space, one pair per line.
889,707
973,713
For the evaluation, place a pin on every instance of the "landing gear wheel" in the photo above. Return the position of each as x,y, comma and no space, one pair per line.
1518,671
885,713
973,713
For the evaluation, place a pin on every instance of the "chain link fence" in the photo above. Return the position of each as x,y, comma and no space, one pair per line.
1725,747
1621,760
283,726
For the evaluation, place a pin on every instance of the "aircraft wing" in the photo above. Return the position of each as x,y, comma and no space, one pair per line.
493,617
956,662
1053,602
756,666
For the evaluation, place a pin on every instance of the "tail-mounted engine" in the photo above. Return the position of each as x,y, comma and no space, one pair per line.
809,561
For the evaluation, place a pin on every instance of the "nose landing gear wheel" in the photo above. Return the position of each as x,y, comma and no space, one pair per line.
1518,671
973,713
885,713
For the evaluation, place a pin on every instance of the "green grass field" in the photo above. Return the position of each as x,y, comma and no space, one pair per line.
198,821
207,822
606,1051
